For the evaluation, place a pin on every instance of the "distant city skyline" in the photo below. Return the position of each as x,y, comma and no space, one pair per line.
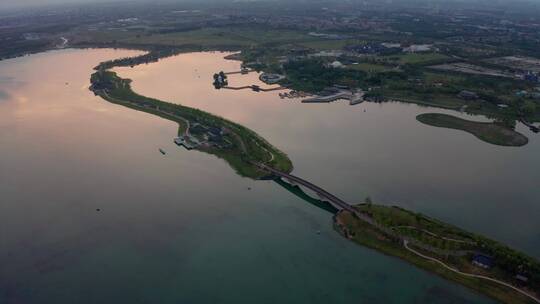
27,3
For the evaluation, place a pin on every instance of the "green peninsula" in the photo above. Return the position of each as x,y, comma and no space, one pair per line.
472,260
240,147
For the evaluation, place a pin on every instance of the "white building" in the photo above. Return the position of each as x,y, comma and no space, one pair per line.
415,48
336,65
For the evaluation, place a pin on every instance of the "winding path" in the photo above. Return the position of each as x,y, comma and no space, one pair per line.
406,244
436,235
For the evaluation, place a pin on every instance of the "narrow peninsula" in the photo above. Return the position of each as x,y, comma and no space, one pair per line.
472,260
477,262
243,149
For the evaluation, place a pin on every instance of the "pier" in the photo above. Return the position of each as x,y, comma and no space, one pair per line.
243,71
255,88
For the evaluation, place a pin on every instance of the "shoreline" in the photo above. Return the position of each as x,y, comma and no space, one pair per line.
146,104
488,132
451,264
239,146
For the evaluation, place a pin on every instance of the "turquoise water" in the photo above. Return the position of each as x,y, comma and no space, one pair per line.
184,228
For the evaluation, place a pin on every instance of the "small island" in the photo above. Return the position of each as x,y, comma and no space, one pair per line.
486,131
466,258
243,149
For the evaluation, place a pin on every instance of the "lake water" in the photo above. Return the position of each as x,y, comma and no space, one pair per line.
184,228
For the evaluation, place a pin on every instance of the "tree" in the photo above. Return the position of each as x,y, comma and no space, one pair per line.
369,202
529,108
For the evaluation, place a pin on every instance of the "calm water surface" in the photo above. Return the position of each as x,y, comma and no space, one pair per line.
184,228
378,150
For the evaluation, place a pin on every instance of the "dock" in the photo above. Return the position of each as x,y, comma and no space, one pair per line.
243,71
255,88
181,141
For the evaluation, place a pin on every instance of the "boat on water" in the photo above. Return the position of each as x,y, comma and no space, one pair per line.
162,151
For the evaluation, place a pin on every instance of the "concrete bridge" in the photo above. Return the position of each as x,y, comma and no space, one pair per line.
323,194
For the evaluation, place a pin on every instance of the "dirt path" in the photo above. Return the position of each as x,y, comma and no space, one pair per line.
436,235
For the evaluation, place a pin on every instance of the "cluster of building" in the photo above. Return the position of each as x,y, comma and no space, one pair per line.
350,53
318,24
528,94
384,49
531,76
387,48
487,262
207,136
525,68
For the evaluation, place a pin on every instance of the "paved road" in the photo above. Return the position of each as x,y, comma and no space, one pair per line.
436,235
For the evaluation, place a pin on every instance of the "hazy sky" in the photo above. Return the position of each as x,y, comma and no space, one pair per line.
22,3
25,3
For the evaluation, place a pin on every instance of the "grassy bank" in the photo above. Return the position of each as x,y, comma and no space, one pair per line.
244,147
444,242
488,132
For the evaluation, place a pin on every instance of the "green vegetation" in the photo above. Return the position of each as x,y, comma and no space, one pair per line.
427,99
488,132
245,150
211,37
418,85
313,76
446,243
419,58
330,44
402,76
370,67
